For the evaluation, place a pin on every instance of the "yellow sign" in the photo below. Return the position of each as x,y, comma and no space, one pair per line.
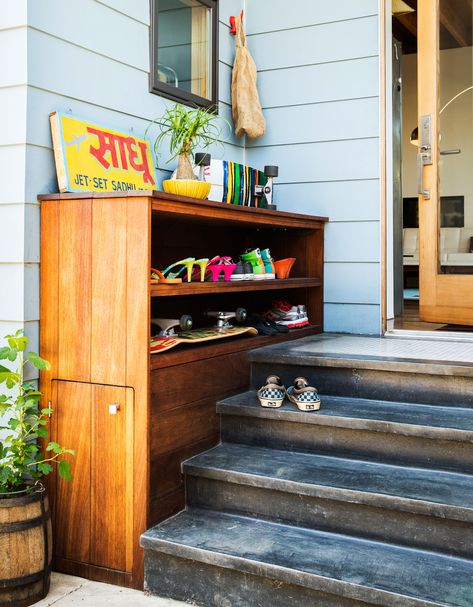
92,158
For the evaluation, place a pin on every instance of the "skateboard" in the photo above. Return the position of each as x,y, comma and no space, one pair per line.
161,343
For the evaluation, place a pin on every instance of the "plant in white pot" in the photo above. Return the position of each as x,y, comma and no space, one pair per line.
25,526
187,129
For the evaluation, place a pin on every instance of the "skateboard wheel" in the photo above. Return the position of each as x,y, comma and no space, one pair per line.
241,315
185,322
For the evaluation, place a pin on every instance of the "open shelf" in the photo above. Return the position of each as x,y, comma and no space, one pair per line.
189,353
201,288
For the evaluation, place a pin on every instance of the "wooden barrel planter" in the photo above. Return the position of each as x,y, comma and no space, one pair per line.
25,547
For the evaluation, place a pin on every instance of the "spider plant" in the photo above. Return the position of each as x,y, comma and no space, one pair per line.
187,130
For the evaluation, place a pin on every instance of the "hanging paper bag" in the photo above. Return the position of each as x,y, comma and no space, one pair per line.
246,108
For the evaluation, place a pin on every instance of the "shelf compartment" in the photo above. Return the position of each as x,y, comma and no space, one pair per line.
206,288
190,353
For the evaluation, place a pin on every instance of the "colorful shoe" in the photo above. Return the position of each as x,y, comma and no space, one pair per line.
187,264
243,271
283,267
268,263
305,397
272,393
283,313
222,265
254,257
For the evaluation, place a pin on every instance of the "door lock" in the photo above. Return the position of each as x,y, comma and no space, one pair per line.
424,155
114,408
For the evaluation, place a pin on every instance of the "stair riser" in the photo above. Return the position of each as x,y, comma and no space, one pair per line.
212,586
377,523
372,384
347,442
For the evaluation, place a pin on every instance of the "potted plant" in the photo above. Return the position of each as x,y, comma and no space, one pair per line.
187,129
25,526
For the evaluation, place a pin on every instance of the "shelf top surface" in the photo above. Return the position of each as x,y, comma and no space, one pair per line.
197,288
163,203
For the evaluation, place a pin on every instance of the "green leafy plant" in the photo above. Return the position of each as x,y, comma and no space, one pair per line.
21,458
187,130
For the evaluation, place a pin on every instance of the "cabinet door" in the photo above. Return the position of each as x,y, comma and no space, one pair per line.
72,429
111,476
94,511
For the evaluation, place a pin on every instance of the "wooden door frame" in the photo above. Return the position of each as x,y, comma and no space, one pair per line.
439,293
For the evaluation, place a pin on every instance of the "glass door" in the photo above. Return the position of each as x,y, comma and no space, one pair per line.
445,160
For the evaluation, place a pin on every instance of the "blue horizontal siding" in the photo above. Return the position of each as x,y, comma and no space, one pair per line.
353,119
352,318
347,282
329,42
318,80
340,200
300,12
326,161
352,79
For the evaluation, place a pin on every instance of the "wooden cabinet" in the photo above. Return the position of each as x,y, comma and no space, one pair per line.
133,418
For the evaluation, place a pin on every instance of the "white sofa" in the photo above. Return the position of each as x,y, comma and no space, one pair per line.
454,246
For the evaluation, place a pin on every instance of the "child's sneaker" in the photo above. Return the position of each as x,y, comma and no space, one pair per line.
254,257
268,263
285,314
272,393
243,271
305,397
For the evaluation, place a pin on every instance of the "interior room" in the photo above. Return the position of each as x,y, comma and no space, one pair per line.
455,244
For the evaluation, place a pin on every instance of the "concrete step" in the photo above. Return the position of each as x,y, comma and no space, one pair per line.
214,560
427,509
414,371
401,433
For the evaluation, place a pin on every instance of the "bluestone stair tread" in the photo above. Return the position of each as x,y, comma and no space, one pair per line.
379,573
371,352
430,421
443,494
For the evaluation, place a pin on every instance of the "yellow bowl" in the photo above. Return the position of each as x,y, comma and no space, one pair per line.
187,187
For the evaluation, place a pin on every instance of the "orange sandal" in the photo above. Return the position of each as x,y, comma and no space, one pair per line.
157,276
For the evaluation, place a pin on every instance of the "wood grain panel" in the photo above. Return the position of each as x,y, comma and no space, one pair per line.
111,451
72,528
74,308
176,386
165,472
109,276
92,572
162,507
49,290
138,247
186,425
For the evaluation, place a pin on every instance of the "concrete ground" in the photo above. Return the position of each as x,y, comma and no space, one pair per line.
67,590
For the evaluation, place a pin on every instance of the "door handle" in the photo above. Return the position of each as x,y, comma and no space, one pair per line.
424,156
421,162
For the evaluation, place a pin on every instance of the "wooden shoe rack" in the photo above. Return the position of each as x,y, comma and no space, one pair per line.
133,418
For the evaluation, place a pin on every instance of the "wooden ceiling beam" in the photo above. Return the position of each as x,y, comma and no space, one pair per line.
409,22
456,23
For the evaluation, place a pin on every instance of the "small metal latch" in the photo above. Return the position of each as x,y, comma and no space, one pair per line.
50,406
114,408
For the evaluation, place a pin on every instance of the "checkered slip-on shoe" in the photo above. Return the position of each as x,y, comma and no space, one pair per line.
272,393
305,397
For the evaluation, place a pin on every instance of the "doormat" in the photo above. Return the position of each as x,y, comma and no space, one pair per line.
457,328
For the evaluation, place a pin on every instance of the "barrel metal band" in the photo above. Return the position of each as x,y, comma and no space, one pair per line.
46,516
24,525
24,580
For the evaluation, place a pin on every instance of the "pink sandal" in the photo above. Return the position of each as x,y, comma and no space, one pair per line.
221,264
